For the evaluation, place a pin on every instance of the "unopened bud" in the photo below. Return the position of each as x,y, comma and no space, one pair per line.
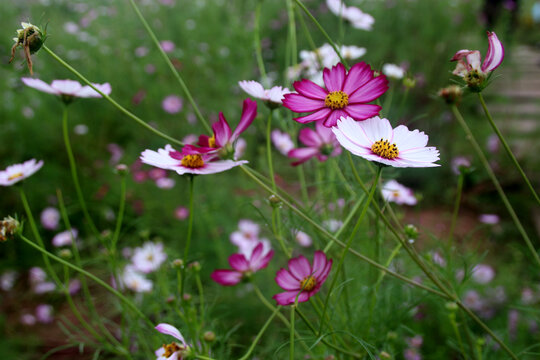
451,94
392,335
122,169
409,83
195,266
65,254
411,231
451,306
8,228
209,336
275,202
187,297
178,263
385,355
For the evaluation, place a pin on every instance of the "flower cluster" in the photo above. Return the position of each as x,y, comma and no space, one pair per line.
144,260
357,18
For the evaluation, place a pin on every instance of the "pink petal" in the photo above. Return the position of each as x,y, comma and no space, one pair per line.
222,131
473,59
362,111
358,75
326,134
68,87
289,297
299,103
309,89
321,278
239,262
370,90
300,267
286,281
333,78
40,85
249,112
319,263
320,115
263,262
309,138
168,329
334,116
495,53
460,55
226,277
302,154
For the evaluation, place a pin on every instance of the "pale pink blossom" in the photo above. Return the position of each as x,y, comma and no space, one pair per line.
69,88
181,213
44,313
7,280
50,217
167,46
483,273
165,183
392,191
65,238
273,95
490,219
469,60
172,104
149,257
302,238
354,15
393,71
18,172
282,141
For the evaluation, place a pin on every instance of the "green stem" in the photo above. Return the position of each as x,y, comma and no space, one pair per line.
291,332
75,176
507,148
120,217
292,32
452,318
260,334
257,42
171,66
191,179
111,100
498,186
456,207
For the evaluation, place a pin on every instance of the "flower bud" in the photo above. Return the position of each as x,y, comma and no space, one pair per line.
409,82
385,355
65,254
411,231
8,228
275,202
178,263
195,266
451,306
209,336
122,169
451,94
187,297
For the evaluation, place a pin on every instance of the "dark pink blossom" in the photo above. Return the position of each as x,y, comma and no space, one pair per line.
320,143
243,267
469,60
345,94
302,280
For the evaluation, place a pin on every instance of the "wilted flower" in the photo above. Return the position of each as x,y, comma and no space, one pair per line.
149,257
50,217
345,94
393,71
282,141
354,15
17,172
375,140
65,238
8,227
392,191
272,97
483,273
172,104
302,280
31,38
321,143
243,266
174,350
451,94
68,89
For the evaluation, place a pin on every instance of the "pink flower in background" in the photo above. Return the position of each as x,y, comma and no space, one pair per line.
181,213
282,141
375,140
460,164
7,280
141,51
50,217
167,46
65,238
28,319
157,173
116,153
302,280
69,88
345,94
302,238
469,60
243,266
483,274
490,219
172,351
247,238
44,313
172,104
18,172
74,286
392,191
255,89
165,183
321,143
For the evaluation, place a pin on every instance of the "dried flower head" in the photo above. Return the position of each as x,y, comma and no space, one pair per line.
31,38
8,228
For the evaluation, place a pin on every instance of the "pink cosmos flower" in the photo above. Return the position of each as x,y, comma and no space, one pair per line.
483,273
172,104
490,219
320,143
375,140
167,46
247,238
255,89
223,137
65,238
282,141
392,191
302,280
243,266
44,313
345,94
469,60
17,172
188,161
68,88
50,217
174,350
181,213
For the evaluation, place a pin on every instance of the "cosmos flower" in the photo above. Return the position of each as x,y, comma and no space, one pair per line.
255,89
375,140
65,238
134,280
354,15
44,313
302,280
247,238
302,238
167,46
243,266
172,104
392,191
345,94
483,273
17,172
320,143
50,217
68,89
149,257
189,161
490,219
393,71
282,141
174,350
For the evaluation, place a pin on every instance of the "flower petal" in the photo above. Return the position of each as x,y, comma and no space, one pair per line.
168,329
358,75
370,90
309,137
300,267
362,111
319,115
40,85
299,103
334,116
495,53
249,112
334,78
289,297
226,277
309,89
319,263
286,281
302,154
253,88
222,131
406,139
239,262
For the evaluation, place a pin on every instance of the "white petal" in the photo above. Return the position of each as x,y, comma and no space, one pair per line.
39,85
170,330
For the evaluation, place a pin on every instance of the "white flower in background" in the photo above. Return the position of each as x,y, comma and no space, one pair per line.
247,238
165,183
472,300
7,280
352,52
302,238
332,225
393,71
483,273
28,319
50,217
17,172
255,89
65,238
393,191
282,141
70,88
38,281
149,257
354,15
135,281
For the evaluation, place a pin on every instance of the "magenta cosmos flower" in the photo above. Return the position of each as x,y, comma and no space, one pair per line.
174,350
242,266
223,137
469,60
302,279
320,143
68,89
188,161
17,172
375,140
345,94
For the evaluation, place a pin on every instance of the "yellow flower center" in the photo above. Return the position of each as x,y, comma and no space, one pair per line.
395,193
336,100
212,142
171,349
192,161
308,283
384,149
15,176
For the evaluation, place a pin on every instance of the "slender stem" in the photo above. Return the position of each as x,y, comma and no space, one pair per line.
91,276
323,32
120,216
269,150
498,186
191,179
291,333
257,42
292,32
75,176
260,334
201,294
453,323
507,148
171,66
456,207
111,100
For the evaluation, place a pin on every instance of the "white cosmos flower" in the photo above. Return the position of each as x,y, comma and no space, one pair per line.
68,88
393,71
352,52
17,172
149,257
50,217
375,140
357,18
172,351
393,191
483,273
255,89
282,141
135,281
